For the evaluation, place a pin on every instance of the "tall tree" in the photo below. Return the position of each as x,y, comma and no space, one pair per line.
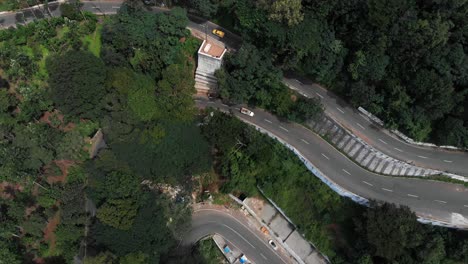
76,81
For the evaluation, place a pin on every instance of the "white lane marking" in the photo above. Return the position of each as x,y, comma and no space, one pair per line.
284,129
247,228
237,108
319,95
305,141
116,7
388,190
367,183
398,149
361,126
346,172
365,118
239,235
340,110
383,141
263,256
412,195
268,121
325,156
439,201
422,157
225,105
448,161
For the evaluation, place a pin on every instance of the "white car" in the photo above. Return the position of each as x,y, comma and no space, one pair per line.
246,111
273,244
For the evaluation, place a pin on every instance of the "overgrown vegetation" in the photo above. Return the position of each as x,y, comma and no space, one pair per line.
131,76
405,61
341,229
249,76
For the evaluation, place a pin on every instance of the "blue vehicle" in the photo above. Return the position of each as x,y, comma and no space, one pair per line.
243,259
226,249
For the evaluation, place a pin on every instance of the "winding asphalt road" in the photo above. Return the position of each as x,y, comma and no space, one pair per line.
444,202
207,222
432,200
435,158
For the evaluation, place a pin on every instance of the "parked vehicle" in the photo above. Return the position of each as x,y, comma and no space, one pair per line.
273,244
246,111
218,33
226,249
264,230
243,259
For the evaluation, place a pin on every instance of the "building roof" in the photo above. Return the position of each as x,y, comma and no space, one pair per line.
281,227
299,244
211,49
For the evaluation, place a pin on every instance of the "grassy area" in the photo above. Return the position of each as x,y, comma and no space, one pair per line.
61,31
210,253
4,5
42,62
93,41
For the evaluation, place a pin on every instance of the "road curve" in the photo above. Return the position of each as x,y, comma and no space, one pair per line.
206,222
435,158
427,157
440,201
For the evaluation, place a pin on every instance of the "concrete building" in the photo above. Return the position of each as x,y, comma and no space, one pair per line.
210,58
284,232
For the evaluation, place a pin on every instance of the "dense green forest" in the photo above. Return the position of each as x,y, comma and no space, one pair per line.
341,229
131,76
248,76
405,60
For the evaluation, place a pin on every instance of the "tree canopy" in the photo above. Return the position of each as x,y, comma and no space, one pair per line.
77,83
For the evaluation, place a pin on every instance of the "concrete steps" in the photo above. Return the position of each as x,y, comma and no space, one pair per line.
362,153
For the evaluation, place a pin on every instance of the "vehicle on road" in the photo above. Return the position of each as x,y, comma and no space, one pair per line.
243,259
218,33
246,111
273,244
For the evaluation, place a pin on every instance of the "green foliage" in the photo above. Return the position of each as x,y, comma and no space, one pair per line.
287,11
403,60
181,152
8,253
149,233
102,258
206,8
249,76
305,109
118,213
142,99
77,83
150,37
339,228
134,258
71,11
209,253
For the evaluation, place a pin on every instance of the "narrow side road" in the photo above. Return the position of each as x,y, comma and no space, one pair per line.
234,228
